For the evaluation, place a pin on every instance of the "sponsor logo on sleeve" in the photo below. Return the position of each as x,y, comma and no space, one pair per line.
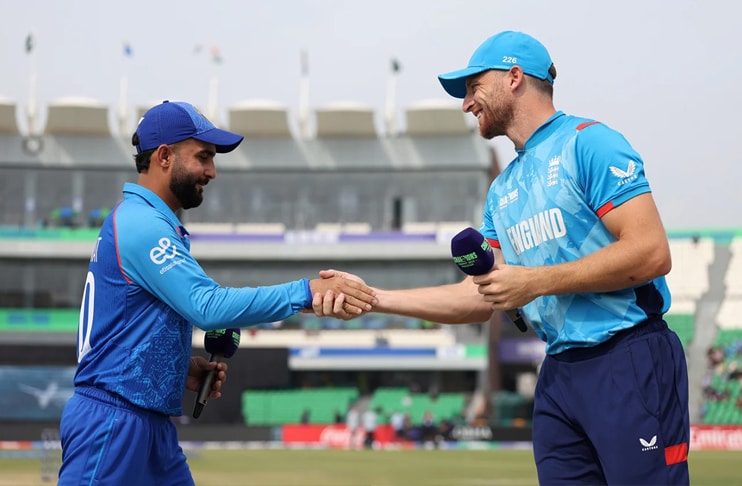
627,175
163,252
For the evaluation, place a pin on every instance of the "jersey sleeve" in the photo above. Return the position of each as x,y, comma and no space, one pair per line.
487,228
153,256
609,170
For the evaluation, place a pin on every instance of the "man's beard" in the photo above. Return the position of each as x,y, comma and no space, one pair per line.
183,186
497,119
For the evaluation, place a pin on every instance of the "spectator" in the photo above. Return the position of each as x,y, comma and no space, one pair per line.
715,356
352,422
397,422
369,420
429,428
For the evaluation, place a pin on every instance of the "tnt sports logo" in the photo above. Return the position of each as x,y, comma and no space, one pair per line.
627,175
166,251
648,446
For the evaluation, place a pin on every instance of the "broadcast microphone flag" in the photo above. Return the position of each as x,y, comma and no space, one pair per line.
474,256
220,343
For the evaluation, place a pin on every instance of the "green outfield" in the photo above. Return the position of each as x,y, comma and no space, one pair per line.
377,468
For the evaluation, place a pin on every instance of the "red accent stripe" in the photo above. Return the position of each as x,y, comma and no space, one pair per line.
493,243
676,454
586,124
605,208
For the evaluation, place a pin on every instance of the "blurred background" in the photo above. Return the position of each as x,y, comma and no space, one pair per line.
354,159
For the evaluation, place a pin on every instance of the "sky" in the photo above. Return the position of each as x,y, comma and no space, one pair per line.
667,74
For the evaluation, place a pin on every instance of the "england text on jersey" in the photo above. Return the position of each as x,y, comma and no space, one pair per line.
531,232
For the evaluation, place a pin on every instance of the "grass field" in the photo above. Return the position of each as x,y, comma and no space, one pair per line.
377,468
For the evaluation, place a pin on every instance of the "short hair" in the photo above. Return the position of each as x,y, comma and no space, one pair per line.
544,86
141,159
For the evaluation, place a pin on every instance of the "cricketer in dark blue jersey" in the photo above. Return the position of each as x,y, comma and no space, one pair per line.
581,251
143,293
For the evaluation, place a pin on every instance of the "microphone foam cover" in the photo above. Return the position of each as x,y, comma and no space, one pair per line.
222,341
471,252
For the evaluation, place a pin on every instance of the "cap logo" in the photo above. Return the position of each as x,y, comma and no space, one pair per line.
509,60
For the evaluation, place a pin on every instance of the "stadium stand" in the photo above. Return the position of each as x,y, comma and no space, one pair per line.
689,277
733,277
345,120
77,116
443,406
435,118
260,119
688,281
366,195
722,396
8,122
276,407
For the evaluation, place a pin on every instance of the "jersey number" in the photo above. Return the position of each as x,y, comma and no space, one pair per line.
85,326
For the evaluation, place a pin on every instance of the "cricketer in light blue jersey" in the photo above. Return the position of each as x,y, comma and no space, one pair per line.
143,294
545,208
585,255
581,250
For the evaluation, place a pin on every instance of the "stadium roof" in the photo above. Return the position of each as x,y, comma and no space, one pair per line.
345,120
8,122
77,134
435,118
77,116
260,118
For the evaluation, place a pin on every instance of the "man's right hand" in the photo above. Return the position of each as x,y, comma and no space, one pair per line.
341,295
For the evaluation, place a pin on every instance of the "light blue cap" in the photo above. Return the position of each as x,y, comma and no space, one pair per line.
501,51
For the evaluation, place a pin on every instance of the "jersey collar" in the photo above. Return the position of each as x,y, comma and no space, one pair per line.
544,131
131,189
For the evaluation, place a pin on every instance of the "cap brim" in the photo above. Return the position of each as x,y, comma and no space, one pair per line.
223,140
455,82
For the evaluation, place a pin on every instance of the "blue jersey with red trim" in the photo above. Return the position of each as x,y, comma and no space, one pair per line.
545,209
144,292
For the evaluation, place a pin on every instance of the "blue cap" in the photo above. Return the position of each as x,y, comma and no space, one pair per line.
501,51
173,122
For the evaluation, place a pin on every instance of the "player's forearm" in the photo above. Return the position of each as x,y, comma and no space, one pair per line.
448,304
221,307
618,266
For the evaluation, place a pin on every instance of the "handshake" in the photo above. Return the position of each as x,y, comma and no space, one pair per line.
341,295
345,296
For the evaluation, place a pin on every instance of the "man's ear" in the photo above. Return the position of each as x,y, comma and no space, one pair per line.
162,155
516,77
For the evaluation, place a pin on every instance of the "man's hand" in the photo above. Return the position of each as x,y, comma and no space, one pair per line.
341,295
507,286
197,370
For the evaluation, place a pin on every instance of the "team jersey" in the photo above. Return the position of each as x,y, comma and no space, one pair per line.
545,209
144,292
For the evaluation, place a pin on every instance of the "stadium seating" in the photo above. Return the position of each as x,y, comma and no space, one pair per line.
276,407
346,180
723,399
8,117
733,276
683,325
510,407
443,406
689,277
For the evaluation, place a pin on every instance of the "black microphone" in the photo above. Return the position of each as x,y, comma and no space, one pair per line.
474,256
220,343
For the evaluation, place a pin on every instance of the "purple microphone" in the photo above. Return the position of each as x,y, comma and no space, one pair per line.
474,256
